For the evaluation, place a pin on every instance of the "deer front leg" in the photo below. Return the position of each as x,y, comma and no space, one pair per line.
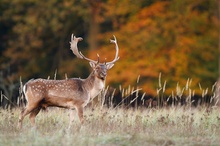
80,113
71,115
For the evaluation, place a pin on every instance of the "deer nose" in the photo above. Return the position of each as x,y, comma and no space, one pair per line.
103,74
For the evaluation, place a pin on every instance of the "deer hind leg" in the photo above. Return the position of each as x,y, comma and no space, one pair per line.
33,115
21,117
24,112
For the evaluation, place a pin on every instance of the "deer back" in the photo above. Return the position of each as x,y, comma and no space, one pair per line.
57,92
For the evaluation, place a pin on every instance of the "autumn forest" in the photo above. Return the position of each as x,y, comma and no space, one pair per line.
174,40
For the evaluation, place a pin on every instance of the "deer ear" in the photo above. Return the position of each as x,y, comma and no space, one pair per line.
92,64
109,66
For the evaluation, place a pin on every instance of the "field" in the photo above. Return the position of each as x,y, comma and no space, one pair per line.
114,127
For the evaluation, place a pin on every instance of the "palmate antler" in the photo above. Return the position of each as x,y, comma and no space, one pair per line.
74,48
73,45
116,54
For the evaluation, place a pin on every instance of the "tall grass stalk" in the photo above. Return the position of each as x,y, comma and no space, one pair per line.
106,126
119,125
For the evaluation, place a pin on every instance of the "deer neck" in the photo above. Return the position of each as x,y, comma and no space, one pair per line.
94,85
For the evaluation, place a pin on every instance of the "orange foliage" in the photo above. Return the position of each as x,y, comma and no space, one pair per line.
178,39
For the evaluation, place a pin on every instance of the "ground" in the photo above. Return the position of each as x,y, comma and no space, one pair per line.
115,127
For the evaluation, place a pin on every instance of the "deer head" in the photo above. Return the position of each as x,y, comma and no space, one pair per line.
99,69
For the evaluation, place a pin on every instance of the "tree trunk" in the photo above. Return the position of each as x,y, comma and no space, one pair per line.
93,24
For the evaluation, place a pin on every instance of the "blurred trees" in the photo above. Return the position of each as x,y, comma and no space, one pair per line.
178,39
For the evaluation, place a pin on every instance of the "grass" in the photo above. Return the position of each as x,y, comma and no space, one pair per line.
114,127
118,126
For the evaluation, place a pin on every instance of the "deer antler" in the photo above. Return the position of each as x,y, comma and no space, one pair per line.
116,54
73,45
74,48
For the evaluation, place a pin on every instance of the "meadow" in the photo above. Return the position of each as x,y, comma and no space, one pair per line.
115,127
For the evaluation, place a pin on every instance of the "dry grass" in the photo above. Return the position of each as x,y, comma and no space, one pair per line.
173,126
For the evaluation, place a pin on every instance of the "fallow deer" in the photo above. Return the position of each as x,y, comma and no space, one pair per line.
73,93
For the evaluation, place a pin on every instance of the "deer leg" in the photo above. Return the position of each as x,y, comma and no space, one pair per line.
21,117
24,112
80,114
71,115
33,115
